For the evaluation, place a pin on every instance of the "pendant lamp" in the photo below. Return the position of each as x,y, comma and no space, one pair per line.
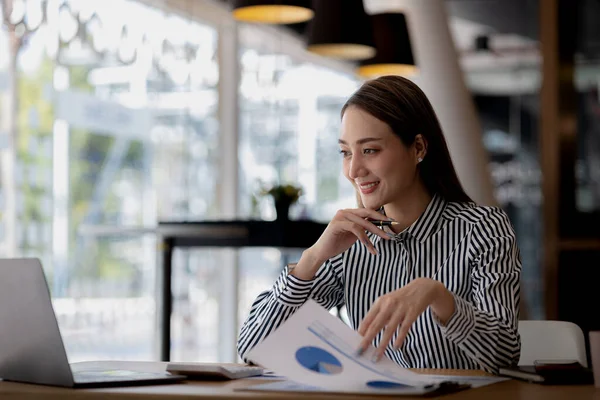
394,51
272,11
340,29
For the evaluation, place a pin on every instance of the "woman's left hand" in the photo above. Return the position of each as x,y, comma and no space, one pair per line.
398,310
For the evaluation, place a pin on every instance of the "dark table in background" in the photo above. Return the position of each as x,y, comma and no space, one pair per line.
233,234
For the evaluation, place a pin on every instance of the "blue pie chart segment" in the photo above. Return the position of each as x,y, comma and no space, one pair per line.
386,385
318,360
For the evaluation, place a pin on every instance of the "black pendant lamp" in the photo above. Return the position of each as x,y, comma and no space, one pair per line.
340,29
394,51
272,11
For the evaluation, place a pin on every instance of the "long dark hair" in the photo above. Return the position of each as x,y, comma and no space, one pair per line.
404,107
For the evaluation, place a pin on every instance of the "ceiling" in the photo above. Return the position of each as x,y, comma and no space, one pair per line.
512,25
512,63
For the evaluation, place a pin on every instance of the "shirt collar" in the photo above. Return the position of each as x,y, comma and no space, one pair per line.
426,224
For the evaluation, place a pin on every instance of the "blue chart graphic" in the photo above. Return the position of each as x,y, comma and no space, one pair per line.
318,360
386,385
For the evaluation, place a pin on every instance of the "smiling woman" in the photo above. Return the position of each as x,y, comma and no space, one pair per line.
438,289
380,166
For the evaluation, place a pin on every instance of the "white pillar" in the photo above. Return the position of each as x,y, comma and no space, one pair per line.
229,79
441,78
228,186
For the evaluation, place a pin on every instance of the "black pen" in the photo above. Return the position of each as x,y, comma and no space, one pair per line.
382,223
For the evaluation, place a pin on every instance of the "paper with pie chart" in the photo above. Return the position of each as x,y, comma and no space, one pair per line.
318,360
317,349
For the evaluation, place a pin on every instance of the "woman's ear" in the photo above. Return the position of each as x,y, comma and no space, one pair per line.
420,146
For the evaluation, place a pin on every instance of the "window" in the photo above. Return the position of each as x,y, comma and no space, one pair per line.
116,128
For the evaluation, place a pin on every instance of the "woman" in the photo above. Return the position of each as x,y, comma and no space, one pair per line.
440,287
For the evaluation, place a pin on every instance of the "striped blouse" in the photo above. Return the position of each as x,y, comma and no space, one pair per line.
471,249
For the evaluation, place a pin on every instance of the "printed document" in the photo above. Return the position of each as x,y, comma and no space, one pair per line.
317,351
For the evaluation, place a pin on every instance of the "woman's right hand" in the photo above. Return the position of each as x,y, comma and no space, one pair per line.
346,227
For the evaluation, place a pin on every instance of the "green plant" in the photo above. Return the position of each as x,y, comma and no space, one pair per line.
287,192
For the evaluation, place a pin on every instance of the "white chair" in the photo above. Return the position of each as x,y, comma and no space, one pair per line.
551,340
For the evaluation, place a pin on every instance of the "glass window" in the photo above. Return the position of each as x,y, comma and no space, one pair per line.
116,127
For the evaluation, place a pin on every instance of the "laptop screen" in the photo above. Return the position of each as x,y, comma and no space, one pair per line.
31,348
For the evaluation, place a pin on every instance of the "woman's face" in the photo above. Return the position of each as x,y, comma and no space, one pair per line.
381,168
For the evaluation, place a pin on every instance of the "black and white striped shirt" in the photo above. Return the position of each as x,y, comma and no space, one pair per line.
471,249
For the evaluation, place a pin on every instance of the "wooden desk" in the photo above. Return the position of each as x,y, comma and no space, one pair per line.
512,390
236,234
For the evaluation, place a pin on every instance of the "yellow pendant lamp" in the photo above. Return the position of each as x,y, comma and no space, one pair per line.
272,11
340,29
394,51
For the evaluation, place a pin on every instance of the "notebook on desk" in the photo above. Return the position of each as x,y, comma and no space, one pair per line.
31,346
551,372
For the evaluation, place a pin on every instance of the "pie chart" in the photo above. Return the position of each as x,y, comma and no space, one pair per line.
318,360
386,385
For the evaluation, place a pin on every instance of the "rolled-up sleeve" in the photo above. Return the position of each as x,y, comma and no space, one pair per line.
273,307
485,325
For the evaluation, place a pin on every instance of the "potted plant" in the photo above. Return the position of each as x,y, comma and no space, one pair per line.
283,197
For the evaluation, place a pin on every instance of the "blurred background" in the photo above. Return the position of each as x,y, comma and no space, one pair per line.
118,114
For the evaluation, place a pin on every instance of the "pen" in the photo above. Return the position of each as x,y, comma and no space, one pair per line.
382,223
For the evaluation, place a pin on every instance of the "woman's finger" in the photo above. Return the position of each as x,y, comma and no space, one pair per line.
366,322
367,225
375,327
366,241
403,331
357,231
392,326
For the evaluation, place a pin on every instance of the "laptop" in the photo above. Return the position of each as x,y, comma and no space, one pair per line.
31,346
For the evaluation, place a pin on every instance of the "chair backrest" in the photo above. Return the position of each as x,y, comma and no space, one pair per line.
551,340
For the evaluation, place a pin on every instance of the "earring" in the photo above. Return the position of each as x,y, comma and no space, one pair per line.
419,159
